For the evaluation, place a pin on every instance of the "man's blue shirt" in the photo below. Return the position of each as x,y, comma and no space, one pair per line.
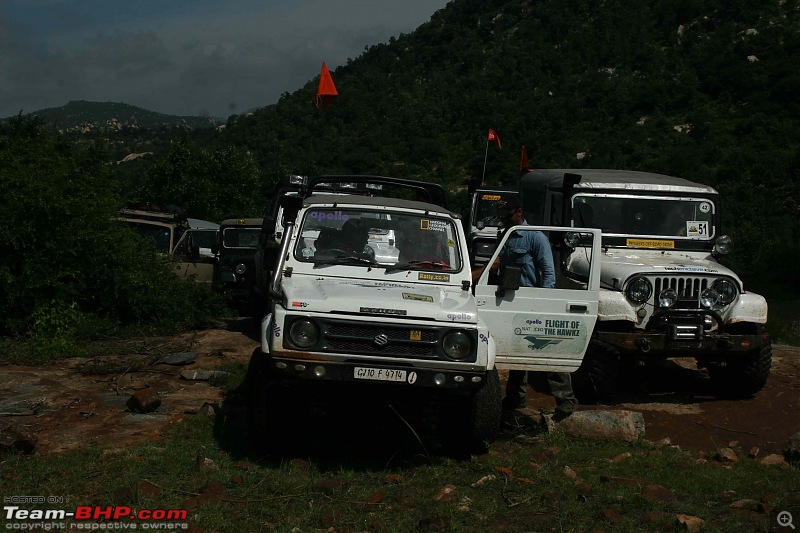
530,250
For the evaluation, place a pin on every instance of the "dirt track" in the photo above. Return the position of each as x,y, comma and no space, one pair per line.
66,410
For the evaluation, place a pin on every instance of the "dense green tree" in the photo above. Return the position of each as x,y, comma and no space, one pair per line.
68,268
208,183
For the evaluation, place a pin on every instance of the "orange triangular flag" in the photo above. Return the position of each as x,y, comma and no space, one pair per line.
326,92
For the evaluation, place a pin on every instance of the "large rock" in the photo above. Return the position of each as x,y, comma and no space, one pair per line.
16,439
144,401
609,425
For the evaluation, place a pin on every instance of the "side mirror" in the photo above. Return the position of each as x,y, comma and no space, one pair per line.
509,280
291,205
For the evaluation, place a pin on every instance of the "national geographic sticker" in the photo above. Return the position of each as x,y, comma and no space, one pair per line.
417,297
426,276
490,197
649,243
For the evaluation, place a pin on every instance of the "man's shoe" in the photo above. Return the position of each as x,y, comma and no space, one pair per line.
563,411
512,405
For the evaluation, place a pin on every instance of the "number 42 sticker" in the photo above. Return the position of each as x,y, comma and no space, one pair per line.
697,228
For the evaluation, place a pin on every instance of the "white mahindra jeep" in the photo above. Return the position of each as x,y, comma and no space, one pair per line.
412,323
665,294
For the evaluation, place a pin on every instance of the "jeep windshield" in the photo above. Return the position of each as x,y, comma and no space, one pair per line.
486,210
397,240
650,216
239,237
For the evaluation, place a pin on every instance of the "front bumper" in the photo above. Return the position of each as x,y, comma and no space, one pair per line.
305,371
713,346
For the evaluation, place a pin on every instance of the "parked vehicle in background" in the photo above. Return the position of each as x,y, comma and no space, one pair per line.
205,235
665,293
173,235
239,238
483,224
408,325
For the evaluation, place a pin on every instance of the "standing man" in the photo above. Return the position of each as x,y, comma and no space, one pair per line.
530,251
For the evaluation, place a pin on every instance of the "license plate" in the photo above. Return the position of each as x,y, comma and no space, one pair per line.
379,374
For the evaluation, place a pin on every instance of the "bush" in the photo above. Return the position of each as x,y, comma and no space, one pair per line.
69,270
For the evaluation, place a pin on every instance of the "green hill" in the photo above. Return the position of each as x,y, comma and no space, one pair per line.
83,116
700,90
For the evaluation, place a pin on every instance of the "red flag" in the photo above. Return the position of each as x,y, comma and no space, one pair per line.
326,92
523,163
493,137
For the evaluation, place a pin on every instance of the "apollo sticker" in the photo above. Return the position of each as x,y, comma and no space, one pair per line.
697,228
545,333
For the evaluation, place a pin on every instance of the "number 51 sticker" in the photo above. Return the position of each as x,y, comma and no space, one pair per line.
697,228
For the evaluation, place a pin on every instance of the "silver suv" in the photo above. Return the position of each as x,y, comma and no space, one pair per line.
665,293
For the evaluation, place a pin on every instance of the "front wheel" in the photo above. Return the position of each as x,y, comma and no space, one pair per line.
468,424
743,376
596,379
265,396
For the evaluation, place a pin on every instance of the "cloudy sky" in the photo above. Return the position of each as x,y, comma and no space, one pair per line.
184,57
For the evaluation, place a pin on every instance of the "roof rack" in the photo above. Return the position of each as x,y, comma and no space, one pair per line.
432,193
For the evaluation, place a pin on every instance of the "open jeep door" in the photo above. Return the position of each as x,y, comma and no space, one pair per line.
544,330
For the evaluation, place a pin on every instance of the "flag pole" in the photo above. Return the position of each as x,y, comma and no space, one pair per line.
486,153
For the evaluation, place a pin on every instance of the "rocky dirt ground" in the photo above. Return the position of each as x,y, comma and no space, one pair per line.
63,406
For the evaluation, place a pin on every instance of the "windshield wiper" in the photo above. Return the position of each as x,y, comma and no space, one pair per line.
345,260
416,264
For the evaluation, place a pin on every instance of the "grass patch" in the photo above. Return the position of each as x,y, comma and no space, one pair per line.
523,484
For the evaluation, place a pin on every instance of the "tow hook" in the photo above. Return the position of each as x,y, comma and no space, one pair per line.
643,345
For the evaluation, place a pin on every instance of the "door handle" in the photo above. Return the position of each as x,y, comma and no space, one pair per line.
577,308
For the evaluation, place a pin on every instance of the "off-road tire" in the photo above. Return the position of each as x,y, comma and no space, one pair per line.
467,424
744,375
598,376
264,401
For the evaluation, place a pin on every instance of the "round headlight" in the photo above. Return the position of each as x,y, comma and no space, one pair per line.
709,297
304,333
726,290
240,268
457,345
668,298
639,290
724,245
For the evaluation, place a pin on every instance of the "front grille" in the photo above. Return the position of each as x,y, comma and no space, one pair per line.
688,289
383,339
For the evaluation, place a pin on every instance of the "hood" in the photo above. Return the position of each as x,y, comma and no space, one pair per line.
379,298
619,265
